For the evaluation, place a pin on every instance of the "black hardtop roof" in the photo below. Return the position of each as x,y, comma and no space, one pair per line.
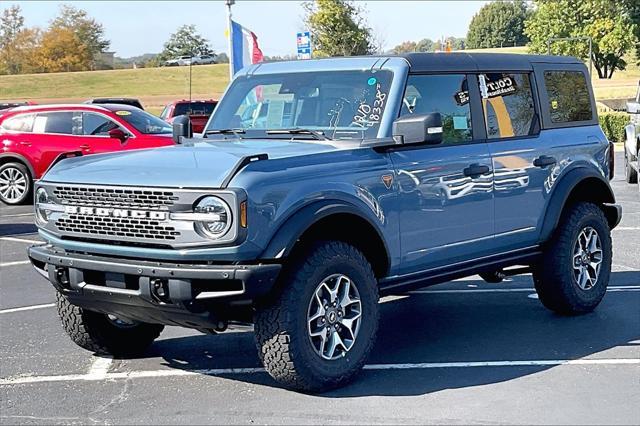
470,62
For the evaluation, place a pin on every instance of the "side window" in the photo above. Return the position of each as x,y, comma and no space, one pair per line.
508,105
56,122
568,94
165,112
446,94
96,124
20,123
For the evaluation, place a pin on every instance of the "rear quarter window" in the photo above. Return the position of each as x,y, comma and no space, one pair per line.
568,96
19,123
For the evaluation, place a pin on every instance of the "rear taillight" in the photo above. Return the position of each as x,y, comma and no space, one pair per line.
612,160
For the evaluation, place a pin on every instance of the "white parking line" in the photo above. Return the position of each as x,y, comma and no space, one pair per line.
20,240
18,262
16,215
627,228
100,368
27,308
374,367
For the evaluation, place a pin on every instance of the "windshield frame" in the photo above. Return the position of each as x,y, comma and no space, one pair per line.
399,68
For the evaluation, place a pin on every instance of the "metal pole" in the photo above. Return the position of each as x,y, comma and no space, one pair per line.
190,64
590,57
229,3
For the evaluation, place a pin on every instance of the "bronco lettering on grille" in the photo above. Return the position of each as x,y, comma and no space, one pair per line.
101,211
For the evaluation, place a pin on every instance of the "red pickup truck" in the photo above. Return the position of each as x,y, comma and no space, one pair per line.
197,111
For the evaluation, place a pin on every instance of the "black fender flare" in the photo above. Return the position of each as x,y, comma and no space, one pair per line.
285,238
603,194
21,159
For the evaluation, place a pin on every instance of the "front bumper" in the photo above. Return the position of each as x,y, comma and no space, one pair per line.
192,295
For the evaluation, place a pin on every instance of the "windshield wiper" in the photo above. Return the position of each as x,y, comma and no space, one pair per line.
298,131
235,132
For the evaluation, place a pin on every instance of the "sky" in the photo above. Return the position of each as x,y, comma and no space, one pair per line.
137,27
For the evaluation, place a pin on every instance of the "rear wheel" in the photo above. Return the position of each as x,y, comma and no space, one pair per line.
316,336
574,273
630,174
105,334
15,183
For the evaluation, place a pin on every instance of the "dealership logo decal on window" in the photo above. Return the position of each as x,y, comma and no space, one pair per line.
492,88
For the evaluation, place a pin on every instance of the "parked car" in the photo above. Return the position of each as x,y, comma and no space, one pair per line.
8,105
204,60
198,111
180,61
34,137
368,176
118,101
632,141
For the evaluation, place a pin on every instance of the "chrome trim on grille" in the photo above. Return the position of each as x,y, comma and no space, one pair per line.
148,216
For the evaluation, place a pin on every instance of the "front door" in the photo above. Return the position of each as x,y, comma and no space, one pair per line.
446,200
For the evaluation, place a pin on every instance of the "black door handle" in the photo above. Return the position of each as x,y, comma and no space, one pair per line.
544,161
475,170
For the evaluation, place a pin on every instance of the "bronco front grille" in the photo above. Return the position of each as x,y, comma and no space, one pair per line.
146,199
116,227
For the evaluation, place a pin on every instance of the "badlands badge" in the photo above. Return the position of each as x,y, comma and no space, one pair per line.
387,180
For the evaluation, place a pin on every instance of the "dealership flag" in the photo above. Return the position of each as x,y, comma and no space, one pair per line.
245,47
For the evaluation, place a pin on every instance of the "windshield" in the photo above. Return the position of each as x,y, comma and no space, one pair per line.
340,104
144,122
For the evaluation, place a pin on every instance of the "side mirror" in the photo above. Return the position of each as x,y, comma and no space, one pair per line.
423,128
118,134
182,128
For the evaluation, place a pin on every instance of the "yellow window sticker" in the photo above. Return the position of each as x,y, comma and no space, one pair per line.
123,112
554,104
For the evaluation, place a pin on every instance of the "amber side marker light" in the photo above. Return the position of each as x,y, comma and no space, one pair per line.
243,214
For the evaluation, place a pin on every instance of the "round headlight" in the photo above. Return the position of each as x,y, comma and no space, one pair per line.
42,215
221,217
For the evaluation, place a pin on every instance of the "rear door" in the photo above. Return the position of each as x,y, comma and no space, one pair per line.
446,200
522,157
55,133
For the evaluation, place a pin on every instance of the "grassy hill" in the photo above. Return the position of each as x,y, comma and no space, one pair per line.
157,86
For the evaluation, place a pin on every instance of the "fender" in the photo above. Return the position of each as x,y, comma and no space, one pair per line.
563,190
297,223
20,158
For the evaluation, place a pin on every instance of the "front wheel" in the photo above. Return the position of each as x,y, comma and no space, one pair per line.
105,334
573,275
15,183
317,334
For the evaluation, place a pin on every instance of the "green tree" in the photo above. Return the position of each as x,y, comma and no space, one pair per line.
11,25
607,22
405,47
88,32
338,28
425,45
498,24
185,41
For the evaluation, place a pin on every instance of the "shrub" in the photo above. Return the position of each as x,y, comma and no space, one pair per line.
613,124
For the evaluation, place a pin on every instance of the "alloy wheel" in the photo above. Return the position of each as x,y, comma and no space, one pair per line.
13,184
334,317
587,258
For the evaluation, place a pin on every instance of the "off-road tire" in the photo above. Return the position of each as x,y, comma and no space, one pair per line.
94,332
27,175
281,332
553,277
630,174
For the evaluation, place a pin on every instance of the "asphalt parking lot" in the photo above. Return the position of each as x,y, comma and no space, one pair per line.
462,352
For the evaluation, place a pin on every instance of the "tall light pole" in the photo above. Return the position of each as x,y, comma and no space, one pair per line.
230,3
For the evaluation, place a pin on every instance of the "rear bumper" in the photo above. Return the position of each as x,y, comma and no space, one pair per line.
192,295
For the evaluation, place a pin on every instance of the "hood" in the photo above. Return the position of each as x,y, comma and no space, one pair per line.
197,164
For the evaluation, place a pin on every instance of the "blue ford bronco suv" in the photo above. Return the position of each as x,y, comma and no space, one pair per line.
319,186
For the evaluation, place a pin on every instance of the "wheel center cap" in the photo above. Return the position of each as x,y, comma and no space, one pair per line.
332,317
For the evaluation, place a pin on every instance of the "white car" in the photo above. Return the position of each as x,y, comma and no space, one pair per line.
632,141
180,61
204,60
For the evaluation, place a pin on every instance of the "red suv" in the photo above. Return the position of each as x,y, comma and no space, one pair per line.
32,137
198,111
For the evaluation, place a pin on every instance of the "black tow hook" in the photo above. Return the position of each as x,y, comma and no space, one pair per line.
160,290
